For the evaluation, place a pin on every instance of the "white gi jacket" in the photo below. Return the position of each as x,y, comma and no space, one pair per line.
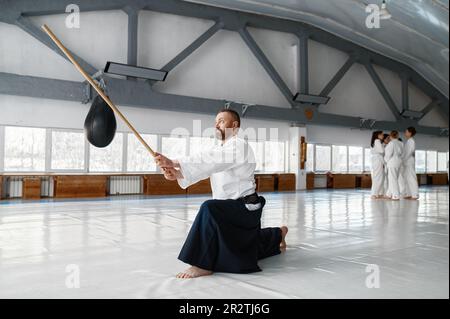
411,187
230,167
409,152
377,168
393,154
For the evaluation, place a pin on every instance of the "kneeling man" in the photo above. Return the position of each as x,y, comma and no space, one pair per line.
226,235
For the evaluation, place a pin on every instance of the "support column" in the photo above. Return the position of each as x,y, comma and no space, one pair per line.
304,64
295,134
132,36
405,92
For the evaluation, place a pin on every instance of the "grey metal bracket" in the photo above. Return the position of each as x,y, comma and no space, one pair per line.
245,108
98,79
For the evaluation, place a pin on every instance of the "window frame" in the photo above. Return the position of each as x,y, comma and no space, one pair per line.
315,157
348,159
3,151
436,161
125,155
122,171
332,161
50,150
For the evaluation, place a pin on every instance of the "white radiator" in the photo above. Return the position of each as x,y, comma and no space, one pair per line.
14,187
47,187
126,185
320,181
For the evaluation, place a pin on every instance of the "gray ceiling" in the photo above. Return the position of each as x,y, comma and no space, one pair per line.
417,34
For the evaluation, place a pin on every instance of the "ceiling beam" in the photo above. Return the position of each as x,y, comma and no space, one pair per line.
304,63
231,19
405,91
338,76
26,25
193,47
139,94
265,63
133,21
427,109
384,92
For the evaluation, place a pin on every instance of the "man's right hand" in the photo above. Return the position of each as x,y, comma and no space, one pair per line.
172,174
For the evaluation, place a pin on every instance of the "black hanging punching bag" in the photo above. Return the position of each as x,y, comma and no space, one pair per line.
100,124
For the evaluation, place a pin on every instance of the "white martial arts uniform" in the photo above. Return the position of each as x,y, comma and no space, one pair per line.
393,159
387,191
225,236
409,169
401,179
377,169
230,166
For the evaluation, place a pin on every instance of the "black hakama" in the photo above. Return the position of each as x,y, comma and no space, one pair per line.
227,237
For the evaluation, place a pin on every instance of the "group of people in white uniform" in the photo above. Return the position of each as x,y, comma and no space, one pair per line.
394,166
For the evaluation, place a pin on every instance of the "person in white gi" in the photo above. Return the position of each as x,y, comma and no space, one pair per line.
377,151
387,192
393,158
401,179
409,166
226,235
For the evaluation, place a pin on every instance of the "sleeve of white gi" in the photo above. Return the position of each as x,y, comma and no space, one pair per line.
388,152
202,165
378,147
410,149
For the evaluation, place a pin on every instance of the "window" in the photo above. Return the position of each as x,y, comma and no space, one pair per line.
421,161
174,147
310,158
201,144
108,159
274,156
355,159
138,157
323,158
340,159
258,150
24,149
367,160
431,161
442,162
67,150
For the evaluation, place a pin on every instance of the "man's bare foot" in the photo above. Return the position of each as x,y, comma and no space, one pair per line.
284,231
194,272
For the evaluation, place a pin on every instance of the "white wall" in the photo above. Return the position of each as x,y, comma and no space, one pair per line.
223,68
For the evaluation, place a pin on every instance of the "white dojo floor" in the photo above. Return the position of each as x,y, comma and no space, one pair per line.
128,248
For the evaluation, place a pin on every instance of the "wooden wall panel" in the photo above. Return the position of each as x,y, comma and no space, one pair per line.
156,184
265,183
80,186
366,181
341,181
286,182
202,187
31,188
310,180
439,179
